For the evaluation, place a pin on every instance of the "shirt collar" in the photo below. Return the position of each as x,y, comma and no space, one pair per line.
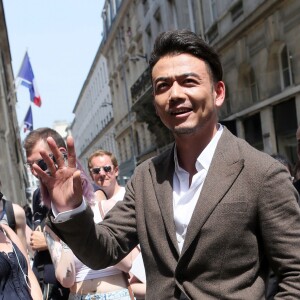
205,157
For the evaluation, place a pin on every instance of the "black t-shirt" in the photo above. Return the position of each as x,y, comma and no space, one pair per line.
297,185
42,266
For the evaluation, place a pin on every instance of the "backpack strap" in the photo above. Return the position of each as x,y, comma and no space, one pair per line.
10,214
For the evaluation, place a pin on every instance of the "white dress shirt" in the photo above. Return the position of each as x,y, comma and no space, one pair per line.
185,196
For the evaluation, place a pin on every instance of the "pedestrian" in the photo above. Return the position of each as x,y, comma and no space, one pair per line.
104,171
211,213
85,283
43,267
13,216
17,280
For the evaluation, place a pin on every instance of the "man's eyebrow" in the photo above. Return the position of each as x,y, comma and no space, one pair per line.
161,78
164,78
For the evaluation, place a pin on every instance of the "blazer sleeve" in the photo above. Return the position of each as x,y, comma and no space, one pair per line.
279,216
104,244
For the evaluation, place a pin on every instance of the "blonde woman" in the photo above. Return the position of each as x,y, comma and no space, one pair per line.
17,280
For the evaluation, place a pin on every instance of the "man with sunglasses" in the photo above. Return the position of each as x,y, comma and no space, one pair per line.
104,170
43,267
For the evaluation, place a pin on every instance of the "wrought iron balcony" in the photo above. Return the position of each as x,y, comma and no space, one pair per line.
141,86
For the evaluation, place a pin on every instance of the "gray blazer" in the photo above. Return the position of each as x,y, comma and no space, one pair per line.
246,219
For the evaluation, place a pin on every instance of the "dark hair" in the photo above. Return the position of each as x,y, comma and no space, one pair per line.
281,158
41,134
184,41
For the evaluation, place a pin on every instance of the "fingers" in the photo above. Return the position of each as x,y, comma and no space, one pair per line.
57,153
50,167
77,184
59,159
71,152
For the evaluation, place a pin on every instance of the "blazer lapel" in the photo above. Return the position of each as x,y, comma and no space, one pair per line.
162,171
224,169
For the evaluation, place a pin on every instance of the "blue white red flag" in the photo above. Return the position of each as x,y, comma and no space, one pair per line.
28,80
28,122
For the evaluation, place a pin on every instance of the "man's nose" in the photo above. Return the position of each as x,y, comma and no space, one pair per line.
176,91
102,172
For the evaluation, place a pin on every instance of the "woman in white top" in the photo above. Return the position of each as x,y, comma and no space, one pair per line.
84,283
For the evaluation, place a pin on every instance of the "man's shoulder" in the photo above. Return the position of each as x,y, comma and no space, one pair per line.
233,148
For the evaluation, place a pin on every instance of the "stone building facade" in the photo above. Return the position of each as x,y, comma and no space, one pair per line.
13,174
92,127
257,43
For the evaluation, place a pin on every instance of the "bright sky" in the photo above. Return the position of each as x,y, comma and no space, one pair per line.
62,38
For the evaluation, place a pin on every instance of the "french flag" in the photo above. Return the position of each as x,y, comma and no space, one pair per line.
28,121
28,80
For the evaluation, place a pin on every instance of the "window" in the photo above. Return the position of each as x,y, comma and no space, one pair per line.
237,11
146,6
138,143
253,131
227,101
212,33
286,70
253,87
157,16
213,10
149,33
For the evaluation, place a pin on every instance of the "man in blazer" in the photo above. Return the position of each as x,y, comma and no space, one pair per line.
211,214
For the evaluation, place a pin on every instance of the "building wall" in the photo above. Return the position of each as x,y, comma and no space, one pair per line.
12,170
250,37
92,126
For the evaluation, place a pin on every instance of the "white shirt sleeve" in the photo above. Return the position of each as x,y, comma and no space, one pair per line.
66,215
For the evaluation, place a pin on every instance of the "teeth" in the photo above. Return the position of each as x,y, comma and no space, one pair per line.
180,111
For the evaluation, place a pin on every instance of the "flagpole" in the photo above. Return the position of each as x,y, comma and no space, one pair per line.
17,80
23,61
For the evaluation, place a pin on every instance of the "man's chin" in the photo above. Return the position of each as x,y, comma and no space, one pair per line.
184,130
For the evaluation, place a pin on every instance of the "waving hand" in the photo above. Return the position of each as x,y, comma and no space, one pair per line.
61,182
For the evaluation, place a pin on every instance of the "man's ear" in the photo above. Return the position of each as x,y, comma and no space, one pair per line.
62,149
117,171
220,93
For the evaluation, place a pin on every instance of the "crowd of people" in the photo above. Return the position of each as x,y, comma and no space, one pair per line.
57,272
210,218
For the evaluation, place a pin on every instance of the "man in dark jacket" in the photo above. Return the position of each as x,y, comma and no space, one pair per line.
42,263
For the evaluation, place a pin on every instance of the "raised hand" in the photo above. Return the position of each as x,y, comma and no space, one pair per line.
62,182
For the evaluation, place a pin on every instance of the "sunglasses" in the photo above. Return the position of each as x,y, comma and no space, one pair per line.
41,163
97,170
